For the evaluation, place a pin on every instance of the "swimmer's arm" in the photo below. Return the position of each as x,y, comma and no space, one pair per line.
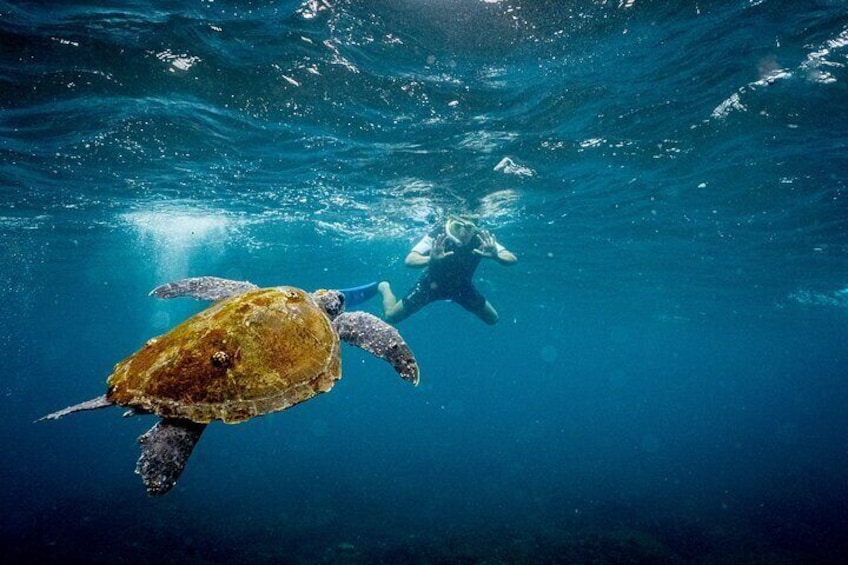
417,260
491,249
505,257
420,254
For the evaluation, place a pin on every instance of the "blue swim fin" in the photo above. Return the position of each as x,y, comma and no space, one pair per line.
359,294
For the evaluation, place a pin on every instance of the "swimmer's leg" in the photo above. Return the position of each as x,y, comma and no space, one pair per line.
471,299
391,305
395,310
488,314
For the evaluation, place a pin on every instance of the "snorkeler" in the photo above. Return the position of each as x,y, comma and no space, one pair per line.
451,254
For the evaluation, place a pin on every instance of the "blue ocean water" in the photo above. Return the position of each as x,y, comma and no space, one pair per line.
667,380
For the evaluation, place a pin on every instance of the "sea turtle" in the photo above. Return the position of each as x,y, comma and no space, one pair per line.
255,351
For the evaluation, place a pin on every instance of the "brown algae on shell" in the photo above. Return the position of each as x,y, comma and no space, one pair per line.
259,352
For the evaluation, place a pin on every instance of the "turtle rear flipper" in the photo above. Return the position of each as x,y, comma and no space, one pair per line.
165,449
93,404
203,288
380,339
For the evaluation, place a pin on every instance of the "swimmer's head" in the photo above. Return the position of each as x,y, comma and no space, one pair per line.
460,229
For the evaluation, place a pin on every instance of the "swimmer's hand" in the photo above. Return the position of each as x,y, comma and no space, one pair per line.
488,245
437,253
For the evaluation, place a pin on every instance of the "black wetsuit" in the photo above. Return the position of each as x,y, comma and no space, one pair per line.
447,279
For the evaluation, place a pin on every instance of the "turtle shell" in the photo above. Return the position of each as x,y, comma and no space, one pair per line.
255,353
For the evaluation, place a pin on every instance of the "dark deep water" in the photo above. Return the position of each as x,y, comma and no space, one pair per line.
666,383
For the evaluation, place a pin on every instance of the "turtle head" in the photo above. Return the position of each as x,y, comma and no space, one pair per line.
331,301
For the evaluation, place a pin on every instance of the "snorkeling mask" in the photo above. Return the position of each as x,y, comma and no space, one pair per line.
460,229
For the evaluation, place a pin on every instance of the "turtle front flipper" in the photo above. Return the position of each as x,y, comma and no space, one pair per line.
380,339
93,404
165,449
203,288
